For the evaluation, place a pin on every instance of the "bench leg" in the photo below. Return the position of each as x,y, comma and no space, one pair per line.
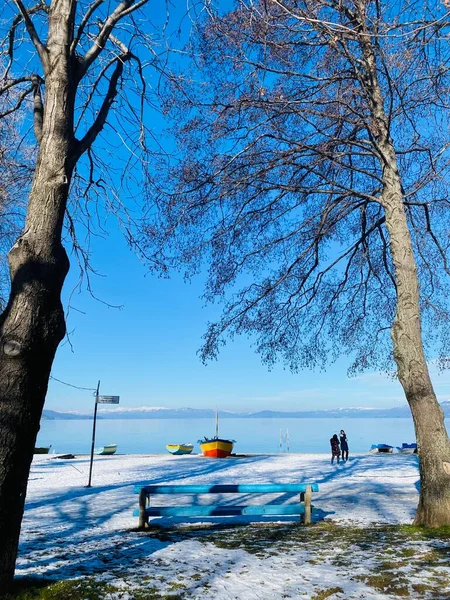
143,518
302,501
308,499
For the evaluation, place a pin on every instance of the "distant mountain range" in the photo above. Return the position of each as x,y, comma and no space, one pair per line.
200,413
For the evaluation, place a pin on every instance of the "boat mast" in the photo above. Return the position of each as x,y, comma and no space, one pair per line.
217,423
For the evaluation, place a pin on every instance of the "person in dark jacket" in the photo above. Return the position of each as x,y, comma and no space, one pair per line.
344,445
335,449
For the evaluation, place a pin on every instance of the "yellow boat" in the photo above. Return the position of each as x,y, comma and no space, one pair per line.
216,447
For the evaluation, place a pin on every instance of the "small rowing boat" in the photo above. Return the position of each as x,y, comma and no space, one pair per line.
42,449
381,449
178,449
106,450
408,449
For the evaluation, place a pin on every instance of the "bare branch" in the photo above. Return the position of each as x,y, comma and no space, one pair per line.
83,24
40,47
13,82
17,104
89,138
125,7
40,6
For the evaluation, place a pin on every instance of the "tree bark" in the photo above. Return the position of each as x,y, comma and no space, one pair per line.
32,325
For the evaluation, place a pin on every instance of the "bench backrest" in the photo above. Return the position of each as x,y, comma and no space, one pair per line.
242,488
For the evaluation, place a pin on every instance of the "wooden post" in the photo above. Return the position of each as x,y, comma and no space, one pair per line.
143,519
308,498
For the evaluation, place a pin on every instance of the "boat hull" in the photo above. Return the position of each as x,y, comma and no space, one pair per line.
179,449
381,449
107,450
42,450
217,448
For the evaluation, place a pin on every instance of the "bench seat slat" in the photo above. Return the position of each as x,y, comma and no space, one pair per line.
227,488
217,510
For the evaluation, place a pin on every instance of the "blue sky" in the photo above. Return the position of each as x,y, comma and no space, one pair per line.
146,351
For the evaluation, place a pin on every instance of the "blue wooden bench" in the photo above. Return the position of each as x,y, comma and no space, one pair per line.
303,507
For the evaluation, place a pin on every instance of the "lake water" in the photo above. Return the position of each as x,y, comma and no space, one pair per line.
150,436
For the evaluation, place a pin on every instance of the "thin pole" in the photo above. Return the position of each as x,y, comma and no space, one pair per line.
93,435
217,423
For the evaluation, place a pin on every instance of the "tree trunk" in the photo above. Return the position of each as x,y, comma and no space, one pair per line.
432,439
32,325
31,328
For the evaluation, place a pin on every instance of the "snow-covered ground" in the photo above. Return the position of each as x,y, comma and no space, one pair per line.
72,531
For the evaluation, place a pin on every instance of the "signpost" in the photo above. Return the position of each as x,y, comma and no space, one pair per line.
108,400
98,400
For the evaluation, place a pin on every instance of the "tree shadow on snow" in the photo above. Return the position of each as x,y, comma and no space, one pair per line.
67,533
73,539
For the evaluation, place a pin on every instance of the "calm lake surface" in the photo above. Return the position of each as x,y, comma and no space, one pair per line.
150,436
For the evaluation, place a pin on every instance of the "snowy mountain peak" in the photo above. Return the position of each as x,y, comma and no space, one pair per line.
163,412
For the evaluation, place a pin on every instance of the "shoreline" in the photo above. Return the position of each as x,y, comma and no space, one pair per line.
358,455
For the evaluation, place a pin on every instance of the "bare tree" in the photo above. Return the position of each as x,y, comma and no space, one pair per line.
78,66
312,176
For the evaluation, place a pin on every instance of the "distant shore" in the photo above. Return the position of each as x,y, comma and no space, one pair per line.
400,412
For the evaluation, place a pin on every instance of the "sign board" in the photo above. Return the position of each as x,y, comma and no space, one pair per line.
108,400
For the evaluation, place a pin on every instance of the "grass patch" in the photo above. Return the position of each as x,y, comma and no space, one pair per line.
396,544
323,594
385,583
438,533
375,555
176,586
433,557
392,565
32,589
383,552
83,589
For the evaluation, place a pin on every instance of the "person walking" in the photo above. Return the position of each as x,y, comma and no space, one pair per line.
344,445
335,449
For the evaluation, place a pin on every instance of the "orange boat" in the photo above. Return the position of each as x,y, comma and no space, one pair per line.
216,447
